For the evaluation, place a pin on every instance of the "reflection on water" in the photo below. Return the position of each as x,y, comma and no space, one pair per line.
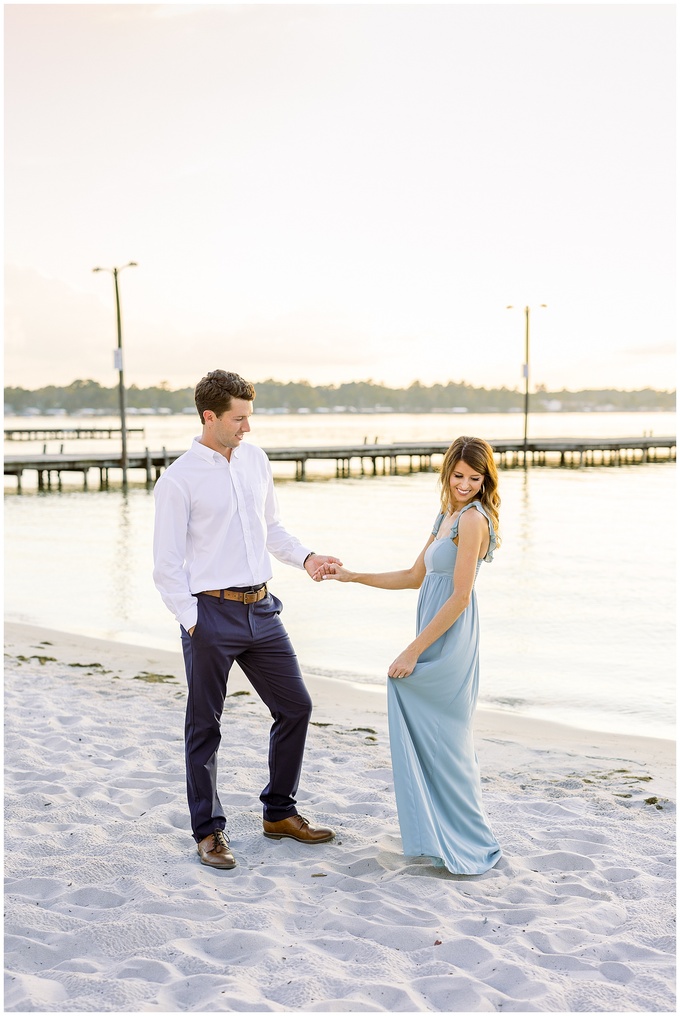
576,609
525,520
123,575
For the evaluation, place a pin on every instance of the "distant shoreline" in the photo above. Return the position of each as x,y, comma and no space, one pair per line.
89,413
351,397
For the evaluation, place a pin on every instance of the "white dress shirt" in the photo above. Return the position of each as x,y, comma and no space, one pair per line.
216,520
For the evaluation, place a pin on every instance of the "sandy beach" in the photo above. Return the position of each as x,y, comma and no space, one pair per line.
109,910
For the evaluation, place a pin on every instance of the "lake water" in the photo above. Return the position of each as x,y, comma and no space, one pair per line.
577,609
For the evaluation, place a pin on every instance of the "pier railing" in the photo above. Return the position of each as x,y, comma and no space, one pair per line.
365,459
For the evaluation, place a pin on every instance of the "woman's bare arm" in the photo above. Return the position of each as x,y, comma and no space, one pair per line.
473,532
407,578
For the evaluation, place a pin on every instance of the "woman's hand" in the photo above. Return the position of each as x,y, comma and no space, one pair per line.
404,664
332,570
315,564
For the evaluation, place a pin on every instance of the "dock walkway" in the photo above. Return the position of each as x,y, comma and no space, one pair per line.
66,433
368,459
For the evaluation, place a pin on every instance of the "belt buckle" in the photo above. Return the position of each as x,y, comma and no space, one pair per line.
250,597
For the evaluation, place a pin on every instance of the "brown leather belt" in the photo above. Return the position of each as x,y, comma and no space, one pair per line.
242,596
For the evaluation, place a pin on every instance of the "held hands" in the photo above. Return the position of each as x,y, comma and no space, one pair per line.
404,664
332,570
316,564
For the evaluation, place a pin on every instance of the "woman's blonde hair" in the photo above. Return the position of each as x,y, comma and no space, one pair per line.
478,455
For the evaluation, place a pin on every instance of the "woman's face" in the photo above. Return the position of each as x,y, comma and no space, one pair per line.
465,484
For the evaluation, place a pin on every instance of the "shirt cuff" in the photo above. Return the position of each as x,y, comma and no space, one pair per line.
189,617
304,553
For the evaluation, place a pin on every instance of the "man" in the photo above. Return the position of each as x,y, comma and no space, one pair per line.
216,519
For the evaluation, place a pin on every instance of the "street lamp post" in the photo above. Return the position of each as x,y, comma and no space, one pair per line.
118,365
525,372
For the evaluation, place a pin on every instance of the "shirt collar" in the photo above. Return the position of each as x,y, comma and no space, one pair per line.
205,453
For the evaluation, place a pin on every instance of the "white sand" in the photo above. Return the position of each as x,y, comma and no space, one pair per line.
109,910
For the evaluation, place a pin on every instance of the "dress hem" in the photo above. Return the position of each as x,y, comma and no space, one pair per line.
441,863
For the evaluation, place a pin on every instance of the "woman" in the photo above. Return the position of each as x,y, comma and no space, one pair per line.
434,681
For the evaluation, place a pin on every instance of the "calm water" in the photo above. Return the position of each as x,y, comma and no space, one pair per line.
577,609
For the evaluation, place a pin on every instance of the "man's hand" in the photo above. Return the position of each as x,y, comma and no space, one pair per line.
315,564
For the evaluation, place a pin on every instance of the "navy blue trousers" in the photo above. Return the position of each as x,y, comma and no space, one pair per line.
254,635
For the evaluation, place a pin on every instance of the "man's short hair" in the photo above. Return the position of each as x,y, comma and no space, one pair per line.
216,390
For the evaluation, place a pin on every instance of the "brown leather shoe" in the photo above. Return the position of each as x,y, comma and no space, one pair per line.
297,828
214,851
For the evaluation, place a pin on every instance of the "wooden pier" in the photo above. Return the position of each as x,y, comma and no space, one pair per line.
66,433
365,459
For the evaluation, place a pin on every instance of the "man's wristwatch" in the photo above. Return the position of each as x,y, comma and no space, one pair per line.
312,553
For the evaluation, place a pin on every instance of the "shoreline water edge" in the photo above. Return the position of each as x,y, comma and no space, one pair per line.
108,908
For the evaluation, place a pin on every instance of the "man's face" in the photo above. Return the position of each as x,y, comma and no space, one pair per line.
227,431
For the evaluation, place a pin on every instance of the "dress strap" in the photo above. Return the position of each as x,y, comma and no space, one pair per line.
437,524
492,533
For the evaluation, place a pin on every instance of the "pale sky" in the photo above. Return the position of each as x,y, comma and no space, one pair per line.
341,192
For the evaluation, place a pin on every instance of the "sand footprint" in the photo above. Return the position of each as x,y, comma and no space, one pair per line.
560,860
618,972
95,898
146,970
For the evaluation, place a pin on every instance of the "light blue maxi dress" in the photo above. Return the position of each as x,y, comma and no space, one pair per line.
436,773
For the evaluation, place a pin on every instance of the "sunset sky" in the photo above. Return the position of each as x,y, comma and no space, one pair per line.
337,192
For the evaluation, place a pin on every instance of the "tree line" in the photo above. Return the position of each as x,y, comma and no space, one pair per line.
357,396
